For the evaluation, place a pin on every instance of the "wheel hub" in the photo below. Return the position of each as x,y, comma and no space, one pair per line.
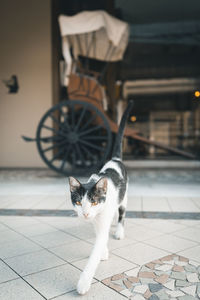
72,137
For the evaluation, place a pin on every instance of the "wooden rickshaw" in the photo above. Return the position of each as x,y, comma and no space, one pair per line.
76,135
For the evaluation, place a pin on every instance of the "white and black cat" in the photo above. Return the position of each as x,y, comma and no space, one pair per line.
98,200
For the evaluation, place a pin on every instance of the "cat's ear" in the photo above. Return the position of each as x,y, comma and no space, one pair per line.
74,184
102,185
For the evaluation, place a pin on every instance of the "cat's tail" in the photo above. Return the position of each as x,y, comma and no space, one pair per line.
117,149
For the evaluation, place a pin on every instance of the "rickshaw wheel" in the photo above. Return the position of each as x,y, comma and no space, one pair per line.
74,138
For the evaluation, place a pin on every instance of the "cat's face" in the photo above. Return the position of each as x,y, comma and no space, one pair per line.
88,199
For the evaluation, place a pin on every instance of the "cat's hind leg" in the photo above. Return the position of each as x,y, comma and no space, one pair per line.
119,234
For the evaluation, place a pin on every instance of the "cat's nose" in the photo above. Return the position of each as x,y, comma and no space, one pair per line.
86,215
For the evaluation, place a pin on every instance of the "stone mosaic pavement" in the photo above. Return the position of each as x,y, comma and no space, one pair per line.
43,249
170,277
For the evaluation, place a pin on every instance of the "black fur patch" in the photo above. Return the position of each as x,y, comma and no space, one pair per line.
122,168
95,195
121,214
119,182
78,195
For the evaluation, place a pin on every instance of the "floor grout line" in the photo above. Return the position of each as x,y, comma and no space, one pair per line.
20,277
172,252
43,248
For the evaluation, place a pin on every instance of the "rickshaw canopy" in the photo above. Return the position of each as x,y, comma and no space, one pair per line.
93,34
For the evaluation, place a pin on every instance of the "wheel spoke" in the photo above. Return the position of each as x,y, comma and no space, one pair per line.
50,148
87,151
92,145
90,130
57,154
57,121
88,122
93,137
65,157
54,130
79,153
65,119
73,116
81,117
54,146
47,139
73,158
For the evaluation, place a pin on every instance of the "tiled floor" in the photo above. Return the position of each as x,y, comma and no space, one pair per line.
42,253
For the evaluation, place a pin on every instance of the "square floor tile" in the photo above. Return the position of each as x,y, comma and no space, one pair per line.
6,273
55,281
191,233
98,291
67,204
62,222
16,221
155,204
165,226
192,253
140,221
171,243
53,239
109,267
7,201
113,243
140,233
188,222
2,226
86,231
37,229
116,244
134,203
18,289
128,222
24,203
9,236
51,202
196,201
34,262
183,204
17,247
74,251
139,253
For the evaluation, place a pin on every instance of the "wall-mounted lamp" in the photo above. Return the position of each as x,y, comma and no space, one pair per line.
12,84
133,118
197,94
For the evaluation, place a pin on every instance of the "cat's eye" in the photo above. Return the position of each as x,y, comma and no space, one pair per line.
94,203
78,203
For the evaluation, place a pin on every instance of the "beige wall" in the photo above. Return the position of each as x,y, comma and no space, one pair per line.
25,50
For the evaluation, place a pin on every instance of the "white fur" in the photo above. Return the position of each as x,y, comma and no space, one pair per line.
113,165
119,234
116,158
94,177
101,216
87,211
105,254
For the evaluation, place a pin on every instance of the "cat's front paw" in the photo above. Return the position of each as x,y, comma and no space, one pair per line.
84,284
